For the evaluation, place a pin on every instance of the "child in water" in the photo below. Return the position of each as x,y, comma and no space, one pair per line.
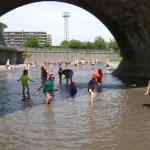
148,88
24,80
60,74
73,89
48,88
91,86
44,74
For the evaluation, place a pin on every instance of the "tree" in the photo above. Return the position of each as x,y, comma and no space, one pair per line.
26,55
74,44
100,43
90,45
46,45
64,44
113,45
32,41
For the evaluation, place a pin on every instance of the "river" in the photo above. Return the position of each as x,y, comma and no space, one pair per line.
119,119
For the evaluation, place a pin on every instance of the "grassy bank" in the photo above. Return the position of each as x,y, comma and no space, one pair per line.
117,60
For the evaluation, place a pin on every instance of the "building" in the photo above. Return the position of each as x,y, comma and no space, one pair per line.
15,38
2,27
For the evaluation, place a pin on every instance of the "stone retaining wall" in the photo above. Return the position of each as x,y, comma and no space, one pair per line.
40,57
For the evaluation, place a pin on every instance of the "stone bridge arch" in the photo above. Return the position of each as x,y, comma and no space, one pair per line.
127,20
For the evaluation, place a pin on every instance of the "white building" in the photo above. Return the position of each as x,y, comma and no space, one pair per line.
15,38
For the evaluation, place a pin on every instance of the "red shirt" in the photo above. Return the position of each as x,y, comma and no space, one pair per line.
98,76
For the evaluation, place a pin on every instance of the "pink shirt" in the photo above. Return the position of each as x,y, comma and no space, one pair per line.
149,82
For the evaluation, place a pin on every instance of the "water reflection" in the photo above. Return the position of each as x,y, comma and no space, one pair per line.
118,121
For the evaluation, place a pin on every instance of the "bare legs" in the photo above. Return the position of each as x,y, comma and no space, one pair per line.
67,80
48,98
28,90
92,96
60,79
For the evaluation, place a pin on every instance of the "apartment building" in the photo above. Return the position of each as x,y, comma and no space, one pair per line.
2,27
13,38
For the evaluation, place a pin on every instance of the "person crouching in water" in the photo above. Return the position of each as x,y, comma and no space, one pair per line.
98,75
24,79
68,75
48,88
73,89
91,87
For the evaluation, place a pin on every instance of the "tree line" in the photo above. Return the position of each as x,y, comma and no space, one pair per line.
98,44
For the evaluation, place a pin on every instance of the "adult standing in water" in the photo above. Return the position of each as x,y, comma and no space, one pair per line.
68,75
98,78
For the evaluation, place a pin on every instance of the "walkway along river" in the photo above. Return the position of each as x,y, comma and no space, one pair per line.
118,120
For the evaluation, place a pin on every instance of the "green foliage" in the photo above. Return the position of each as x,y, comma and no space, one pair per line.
100,43
90,45
46,45
64,44
32,41
75,44
113,45
26,55
118,59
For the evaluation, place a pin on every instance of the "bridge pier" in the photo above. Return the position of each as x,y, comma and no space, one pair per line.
137,66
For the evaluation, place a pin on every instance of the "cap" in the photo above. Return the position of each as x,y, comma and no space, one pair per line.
51,76
99,71
72,85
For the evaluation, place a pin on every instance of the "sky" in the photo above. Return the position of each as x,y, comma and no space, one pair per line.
48,17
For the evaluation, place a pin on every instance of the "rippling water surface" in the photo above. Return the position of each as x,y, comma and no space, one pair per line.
118,120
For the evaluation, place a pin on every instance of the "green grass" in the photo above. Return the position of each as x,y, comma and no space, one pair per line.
118,59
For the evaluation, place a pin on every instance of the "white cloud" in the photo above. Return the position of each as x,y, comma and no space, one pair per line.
48,16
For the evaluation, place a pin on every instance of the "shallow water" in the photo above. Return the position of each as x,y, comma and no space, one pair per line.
118,120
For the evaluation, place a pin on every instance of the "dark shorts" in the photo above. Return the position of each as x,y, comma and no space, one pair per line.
90,87
73,91
70,74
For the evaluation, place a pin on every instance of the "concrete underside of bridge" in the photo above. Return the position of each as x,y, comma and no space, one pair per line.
127,20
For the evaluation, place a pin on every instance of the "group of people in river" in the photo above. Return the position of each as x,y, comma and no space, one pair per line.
48,82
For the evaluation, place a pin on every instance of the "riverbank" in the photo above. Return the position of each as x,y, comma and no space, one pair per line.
115,62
